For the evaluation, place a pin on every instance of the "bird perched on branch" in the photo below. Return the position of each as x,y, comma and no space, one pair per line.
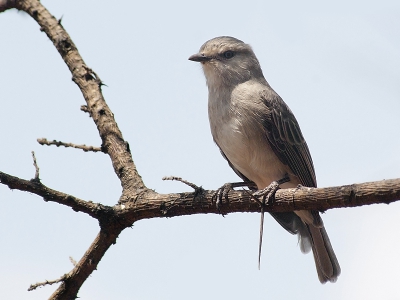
260,138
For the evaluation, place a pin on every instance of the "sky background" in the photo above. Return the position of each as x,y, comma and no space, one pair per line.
336,65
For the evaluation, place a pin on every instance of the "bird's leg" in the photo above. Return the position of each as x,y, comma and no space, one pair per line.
269,191
223,191
269,194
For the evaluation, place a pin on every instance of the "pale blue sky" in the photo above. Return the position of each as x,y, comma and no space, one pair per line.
336,65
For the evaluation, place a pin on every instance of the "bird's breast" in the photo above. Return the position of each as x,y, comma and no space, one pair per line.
238,130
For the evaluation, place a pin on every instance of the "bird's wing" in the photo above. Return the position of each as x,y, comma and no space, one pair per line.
285,138
288,220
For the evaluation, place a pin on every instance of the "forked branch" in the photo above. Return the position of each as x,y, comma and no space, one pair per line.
137,201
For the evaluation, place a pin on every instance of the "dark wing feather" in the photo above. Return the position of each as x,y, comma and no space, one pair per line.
286,140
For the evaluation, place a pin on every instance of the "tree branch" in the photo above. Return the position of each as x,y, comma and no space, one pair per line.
85,148
95,210
154,205
46,282
113,220
36,178
137,201
73,281
90,85
286,200
7,4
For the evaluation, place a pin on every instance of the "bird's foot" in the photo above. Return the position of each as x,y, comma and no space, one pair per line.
222,193
268,193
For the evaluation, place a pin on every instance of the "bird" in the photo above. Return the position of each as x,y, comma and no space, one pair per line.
261,139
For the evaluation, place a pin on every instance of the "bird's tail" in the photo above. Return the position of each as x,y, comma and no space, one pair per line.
312,235
327,265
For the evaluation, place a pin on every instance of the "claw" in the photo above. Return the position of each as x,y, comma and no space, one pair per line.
222,193
268,192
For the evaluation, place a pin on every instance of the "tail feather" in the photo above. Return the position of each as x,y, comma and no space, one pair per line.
327,265
312,236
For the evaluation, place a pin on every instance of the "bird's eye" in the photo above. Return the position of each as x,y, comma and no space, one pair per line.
228,54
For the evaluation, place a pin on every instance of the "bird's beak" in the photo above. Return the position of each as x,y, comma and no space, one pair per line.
199,57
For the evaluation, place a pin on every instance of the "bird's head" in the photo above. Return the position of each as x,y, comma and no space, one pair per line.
227,61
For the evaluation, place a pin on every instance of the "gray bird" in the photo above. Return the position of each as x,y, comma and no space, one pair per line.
260,138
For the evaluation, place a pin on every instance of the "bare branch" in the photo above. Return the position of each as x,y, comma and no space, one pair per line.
36,167
113,220
137,201
94,210
46,282
85,109
73,261
90,85
44,141
169,205
73,281
192,185
7,4
154,205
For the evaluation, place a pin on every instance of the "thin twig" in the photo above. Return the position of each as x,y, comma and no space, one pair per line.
92,74
192,185
73,261
36,167
47,282
85,148
85,109
88,207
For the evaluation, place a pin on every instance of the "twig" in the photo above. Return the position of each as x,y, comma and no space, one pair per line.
85,109
47,282
198,190
73,261
94,210
192,185
92,75
37,179
85,148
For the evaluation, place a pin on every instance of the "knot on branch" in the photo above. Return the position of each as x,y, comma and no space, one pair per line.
108,219
64,44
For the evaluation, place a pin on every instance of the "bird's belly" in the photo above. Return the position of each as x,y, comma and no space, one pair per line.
251,155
